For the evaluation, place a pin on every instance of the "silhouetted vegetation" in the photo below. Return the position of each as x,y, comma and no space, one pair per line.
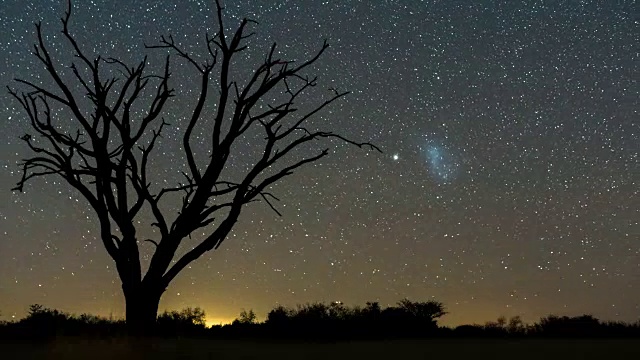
42,322
189,321
582,326
318,322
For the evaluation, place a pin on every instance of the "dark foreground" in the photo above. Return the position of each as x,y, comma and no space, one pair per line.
160,349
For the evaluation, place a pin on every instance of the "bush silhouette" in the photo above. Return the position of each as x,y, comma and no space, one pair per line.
585,325
470,331
246,318
279,316
333,320
188,321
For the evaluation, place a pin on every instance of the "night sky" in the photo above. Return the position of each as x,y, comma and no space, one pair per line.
508,183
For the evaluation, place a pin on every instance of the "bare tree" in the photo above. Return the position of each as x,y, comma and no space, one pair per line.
106,156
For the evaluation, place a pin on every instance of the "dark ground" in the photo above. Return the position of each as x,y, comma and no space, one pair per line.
160,349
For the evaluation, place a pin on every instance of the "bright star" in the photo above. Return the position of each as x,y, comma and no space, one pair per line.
396,157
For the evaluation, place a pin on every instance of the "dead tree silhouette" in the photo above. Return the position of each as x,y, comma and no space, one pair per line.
106,157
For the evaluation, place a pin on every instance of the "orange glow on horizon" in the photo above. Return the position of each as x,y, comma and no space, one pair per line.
217,321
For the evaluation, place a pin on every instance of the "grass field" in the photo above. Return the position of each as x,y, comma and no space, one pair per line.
160,349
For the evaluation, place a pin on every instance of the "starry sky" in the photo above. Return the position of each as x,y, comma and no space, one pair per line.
508,183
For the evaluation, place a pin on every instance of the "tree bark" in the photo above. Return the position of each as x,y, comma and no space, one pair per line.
141,308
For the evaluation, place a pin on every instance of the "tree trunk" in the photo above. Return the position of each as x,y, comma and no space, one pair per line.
141,309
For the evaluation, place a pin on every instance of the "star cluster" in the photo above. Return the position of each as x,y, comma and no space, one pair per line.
508,184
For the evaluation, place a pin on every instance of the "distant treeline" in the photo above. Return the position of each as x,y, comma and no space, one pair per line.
317,321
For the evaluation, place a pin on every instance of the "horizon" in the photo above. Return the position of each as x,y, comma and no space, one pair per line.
213,319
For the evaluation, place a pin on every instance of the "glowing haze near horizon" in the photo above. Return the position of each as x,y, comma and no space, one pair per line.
508,184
